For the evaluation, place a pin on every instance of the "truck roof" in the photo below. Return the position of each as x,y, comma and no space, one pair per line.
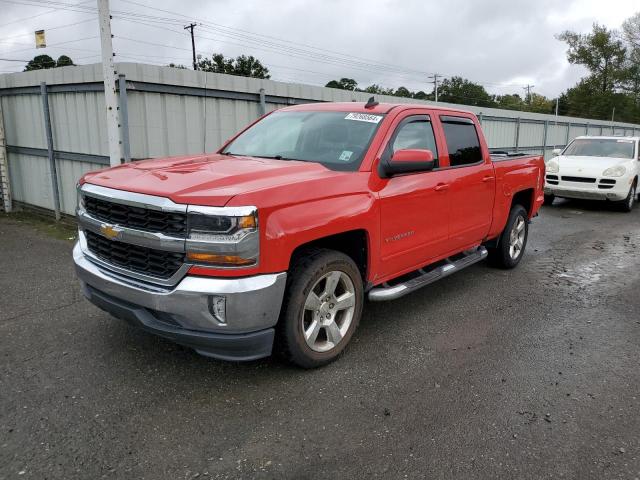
360,107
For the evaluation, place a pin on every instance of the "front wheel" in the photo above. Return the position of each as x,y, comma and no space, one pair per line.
627,204
512,241
322,308
549,198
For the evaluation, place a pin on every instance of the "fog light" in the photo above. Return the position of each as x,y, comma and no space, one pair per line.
218,308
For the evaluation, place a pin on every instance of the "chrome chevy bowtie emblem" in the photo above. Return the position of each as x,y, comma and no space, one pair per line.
110,231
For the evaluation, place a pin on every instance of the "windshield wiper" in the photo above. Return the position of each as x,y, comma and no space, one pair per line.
272,157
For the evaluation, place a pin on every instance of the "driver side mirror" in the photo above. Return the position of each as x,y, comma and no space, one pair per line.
556,151
408,161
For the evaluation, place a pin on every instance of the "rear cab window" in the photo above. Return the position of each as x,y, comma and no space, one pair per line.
462,141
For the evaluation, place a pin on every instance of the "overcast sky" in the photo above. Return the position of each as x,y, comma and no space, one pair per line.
502,44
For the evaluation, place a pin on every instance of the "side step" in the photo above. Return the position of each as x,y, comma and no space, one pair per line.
391,292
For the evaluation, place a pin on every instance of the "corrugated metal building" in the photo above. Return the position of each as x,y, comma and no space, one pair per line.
173,111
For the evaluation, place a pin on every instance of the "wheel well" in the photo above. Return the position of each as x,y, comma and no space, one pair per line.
524,198
353,244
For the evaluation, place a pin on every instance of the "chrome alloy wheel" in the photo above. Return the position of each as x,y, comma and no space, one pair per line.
328,311
516,238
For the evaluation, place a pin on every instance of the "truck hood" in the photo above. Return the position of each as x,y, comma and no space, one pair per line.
587,166
206,179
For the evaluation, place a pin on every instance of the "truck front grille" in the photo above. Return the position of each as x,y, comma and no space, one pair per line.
148,261
170,223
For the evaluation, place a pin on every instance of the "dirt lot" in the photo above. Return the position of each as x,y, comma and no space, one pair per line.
531,373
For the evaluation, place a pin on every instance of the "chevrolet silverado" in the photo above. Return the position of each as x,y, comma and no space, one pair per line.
274,241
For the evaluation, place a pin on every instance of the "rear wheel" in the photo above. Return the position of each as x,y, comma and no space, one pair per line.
549,198
512,241
322,308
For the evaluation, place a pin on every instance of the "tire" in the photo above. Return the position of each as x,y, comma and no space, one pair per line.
506,255
299,339
549,198
627,204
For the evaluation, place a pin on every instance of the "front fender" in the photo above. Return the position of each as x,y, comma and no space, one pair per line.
289,227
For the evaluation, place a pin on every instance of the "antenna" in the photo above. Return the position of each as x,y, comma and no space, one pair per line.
371,103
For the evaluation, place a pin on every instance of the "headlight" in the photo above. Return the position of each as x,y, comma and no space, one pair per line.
616,171
223,236
553,166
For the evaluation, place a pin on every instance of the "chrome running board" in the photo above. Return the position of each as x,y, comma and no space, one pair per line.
426,276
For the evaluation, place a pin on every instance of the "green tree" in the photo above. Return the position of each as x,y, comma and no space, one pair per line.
243,65
461,90
64,61
600,51
540,104
403,92
344,84
511,101
420,95
631,29
40,62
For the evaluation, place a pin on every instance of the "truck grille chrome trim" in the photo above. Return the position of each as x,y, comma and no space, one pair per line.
147,261
141,200
139,218
124,272
141,238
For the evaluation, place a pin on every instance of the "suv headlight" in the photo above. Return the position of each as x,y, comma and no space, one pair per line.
616,171
223,236
553,166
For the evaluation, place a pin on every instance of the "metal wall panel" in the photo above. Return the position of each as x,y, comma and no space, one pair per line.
531,134
576,131
557,134
499,134
31,180
168,115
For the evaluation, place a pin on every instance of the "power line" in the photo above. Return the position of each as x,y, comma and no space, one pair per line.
48,29
38,15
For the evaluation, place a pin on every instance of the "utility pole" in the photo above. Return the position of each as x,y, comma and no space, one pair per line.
435,77
109,76
557,100
613,114
528,89
190,27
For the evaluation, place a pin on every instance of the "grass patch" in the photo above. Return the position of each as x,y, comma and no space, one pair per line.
63,230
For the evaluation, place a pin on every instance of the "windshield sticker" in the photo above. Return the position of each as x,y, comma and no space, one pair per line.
345,156
364,117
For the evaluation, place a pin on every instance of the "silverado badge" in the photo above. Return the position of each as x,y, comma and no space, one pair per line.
110,231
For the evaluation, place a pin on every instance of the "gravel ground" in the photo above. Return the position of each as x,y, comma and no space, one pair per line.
530,373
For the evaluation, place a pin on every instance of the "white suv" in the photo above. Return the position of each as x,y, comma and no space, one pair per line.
595,168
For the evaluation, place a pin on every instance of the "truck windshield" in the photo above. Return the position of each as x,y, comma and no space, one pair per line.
337,140
600,147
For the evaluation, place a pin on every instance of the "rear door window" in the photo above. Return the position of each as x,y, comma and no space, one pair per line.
462,141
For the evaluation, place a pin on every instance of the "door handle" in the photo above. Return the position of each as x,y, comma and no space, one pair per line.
441,187
487,178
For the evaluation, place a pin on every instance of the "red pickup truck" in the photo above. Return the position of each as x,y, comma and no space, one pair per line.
277,238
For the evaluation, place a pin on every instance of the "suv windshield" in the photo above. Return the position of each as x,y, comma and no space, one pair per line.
337,140
600,147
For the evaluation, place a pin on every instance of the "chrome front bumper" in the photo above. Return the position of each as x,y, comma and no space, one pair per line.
252,303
